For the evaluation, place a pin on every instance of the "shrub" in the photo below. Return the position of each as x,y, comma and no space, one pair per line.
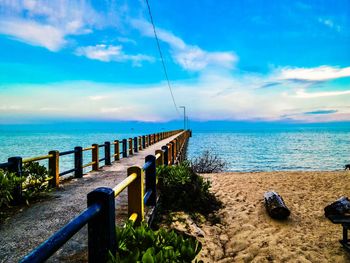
35,180
8,183
142,244
181,189
208,163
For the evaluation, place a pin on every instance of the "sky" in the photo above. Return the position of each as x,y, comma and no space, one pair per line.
226,60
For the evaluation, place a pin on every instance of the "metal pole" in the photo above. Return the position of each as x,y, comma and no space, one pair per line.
184,116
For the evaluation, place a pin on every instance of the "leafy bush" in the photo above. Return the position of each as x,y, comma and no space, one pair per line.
142,244
208,163
8,183
183,190
35,179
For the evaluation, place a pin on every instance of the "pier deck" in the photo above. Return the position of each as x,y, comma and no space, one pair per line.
34,224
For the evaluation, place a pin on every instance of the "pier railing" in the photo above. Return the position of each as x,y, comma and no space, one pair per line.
129,147
100,212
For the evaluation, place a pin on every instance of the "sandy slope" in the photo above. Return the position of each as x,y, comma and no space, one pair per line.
248,234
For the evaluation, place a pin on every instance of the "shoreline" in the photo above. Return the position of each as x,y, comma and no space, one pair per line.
246,232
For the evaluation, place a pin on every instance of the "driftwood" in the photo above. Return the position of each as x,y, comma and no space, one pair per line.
340,207
275,205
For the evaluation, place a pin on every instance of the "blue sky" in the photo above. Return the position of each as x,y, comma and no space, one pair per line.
227,60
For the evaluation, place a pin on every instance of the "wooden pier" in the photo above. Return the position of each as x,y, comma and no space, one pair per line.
35,224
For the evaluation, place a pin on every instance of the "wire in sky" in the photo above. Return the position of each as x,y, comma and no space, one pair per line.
161,57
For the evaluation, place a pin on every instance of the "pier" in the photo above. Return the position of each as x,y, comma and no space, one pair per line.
140,155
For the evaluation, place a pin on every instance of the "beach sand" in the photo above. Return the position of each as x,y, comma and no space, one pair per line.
246,232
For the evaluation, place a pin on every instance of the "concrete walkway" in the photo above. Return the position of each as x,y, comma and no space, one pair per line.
28,228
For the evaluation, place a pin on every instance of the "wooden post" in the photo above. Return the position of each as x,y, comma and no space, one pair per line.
135,194
160,160
131,151
95,159
107,153
125,148
101,228
143,141
151,179
116,150
54,168
166,159
78,161
16,167
140,143
136,148
173,156
175,141
170,154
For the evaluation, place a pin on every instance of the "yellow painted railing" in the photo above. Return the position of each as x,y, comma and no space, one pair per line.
100,213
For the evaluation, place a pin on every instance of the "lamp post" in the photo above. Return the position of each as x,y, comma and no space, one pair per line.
184,116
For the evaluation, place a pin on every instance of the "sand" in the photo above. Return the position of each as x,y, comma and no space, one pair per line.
247,234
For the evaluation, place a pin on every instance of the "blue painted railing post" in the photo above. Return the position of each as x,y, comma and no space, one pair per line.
151,179
166,158
101,228
125,148
143,141
78,161
16,167
136,148
107,153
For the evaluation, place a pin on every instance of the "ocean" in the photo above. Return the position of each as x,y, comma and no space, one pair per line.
243,149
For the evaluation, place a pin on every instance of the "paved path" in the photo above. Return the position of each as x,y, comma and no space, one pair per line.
28,228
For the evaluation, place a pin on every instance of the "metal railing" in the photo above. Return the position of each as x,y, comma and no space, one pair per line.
100,213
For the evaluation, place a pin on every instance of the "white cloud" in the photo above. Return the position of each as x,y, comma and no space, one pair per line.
306,95
46,23
52,109
321,73
126,40
33,33
329,23
10,108
107,53
97,97
211,97
190,57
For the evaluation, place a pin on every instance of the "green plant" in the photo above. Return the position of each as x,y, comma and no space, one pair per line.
142,244
208,163
181,189
35,180
8,183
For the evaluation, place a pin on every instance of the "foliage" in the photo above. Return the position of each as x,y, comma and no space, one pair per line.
142,244
36,179
184,190
8,183
208,163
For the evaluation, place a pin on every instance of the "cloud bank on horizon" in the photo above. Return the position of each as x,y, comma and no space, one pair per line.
226,61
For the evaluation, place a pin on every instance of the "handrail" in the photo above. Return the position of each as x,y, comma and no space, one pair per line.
124,184
147,196
146,165
66,152
88,148
67,172
88,164
38,158
101,202
51,245
4,165
133,217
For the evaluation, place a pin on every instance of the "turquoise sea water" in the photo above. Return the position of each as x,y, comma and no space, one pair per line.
284,148
280,149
